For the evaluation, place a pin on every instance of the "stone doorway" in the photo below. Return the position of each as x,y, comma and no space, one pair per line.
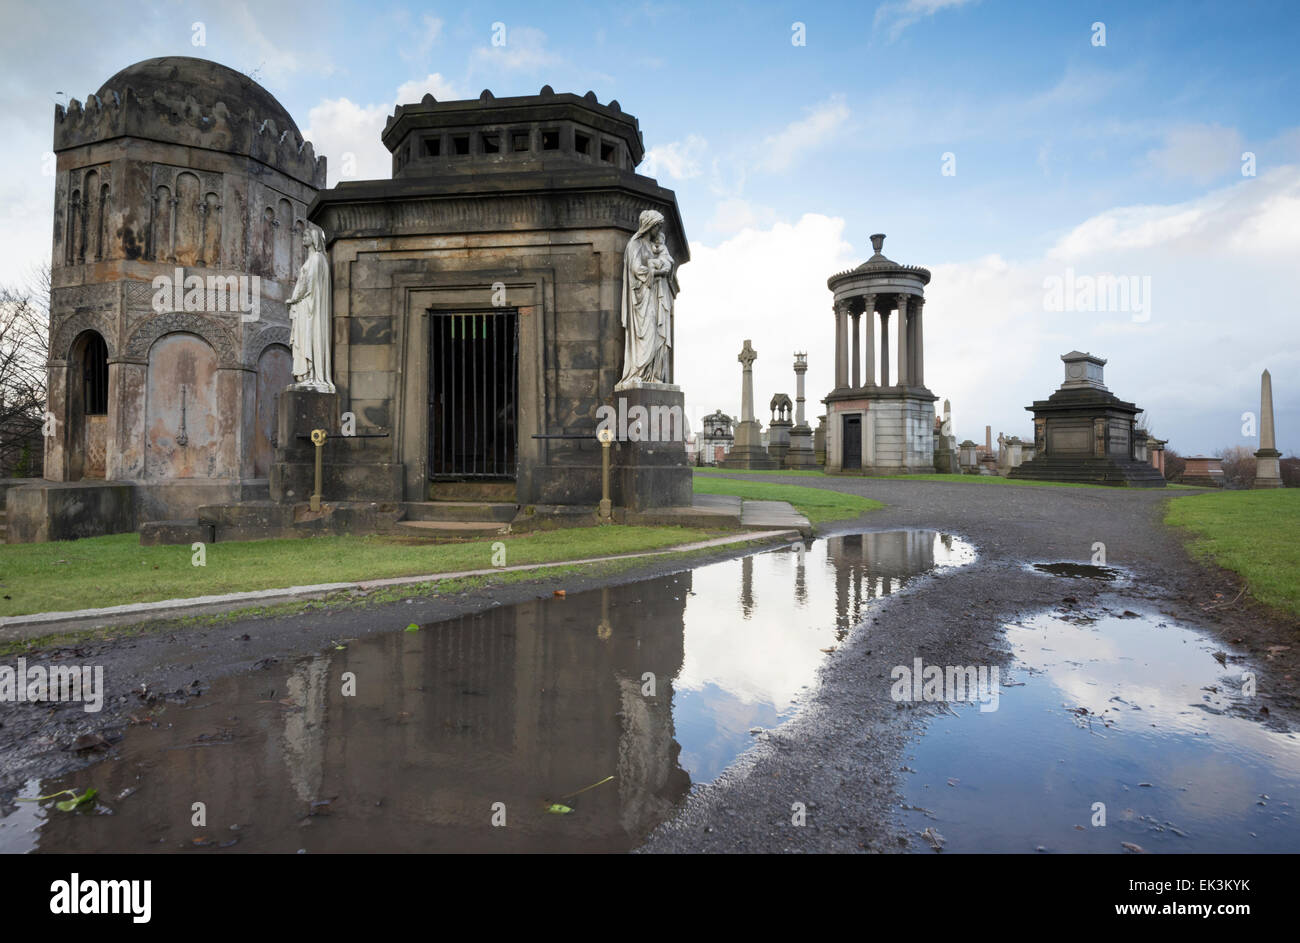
473,395
88,408
852,443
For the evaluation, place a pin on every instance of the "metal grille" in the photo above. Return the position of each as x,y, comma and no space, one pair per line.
473,393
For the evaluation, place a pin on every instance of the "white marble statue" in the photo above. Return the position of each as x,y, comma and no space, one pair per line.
309,314
648,291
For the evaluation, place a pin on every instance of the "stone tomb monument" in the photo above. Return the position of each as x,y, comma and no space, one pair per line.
778,431
748,451
1268,467
879,424
477,325
801,453
1084,433
945,446
181,190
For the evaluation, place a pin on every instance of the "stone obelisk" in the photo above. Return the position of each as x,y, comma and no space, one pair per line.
748,451
1268,470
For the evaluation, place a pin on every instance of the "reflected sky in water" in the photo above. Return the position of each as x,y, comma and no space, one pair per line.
1155,700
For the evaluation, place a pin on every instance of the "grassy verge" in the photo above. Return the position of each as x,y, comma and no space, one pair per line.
115,570
1251,533
816,504
553,577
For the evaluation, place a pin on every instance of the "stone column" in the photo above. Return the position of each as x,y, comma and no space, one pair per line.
747,356
869,313
1268,470
800,368
918,342
857,340
904,375
841,355
884,348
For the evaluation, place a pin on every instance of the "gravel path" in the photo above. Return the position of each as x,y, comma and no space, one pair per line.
841,756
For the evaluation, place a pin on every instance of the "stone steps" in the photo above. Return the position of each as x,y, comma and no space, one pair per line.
480,511
451,529
483,491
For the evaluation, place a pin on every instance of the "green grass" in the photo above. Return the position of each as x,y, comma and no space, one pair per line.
115,570
816,504
1253,534
551,577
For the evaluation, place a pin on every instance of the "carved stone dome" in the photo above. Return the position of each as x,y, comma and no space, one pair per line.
205,81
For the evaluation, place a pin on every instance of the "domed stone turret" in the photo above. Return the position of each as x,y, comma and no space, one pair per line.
177,172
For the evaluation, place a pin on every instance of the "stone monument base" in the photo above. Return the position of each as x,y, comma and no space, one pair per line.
299,412
1268,469
748,452
1116,472
801,454
649,466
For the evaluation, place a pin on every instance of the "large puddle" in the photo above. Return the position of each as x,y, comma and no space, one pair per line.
1129,713
608,704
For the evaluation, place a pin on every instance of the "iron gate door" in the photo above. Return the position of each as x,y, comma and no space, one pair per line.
473,394
852,442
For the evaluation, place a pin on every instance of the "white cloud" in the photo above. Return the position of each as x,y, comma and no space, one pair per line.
783,149
896,17
524,50
734,214
768,285
348,134
1199,152
679,160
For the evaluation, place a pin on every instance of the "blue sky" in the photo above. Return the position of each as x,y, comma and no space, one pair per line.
1124,158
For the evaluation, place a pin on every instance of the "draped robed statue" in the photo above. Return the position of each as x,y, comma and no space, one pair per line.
309,314
649,287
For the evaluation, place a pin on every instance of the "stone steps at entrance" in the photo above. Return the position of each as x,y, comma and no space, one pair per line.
453,528
475,511
487,491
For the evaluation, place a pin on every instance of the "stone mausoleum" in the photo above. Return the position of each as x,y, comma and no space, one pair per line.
880,415
163,396
476,299
1085,433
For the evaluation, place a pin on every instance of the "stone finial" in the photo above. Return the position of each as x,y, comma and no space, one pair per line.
878,245
747,355
486,95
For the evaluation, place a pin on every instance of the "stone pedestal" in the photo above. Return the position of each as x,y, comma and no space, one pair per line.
293,474
945,455
801,454
968,459
748,452
650,466
1268,469
778,440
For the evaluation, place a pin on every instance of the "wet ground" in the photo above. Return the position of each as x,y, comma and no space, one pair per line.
773,724
573,723
1108,730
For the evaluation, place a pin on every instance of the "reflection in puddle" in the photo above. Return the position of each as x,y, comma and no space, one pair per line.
1129,712
642,689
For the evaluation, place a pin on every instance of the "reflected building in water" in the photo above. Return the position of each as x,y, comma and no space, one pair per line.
522,705
869,566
